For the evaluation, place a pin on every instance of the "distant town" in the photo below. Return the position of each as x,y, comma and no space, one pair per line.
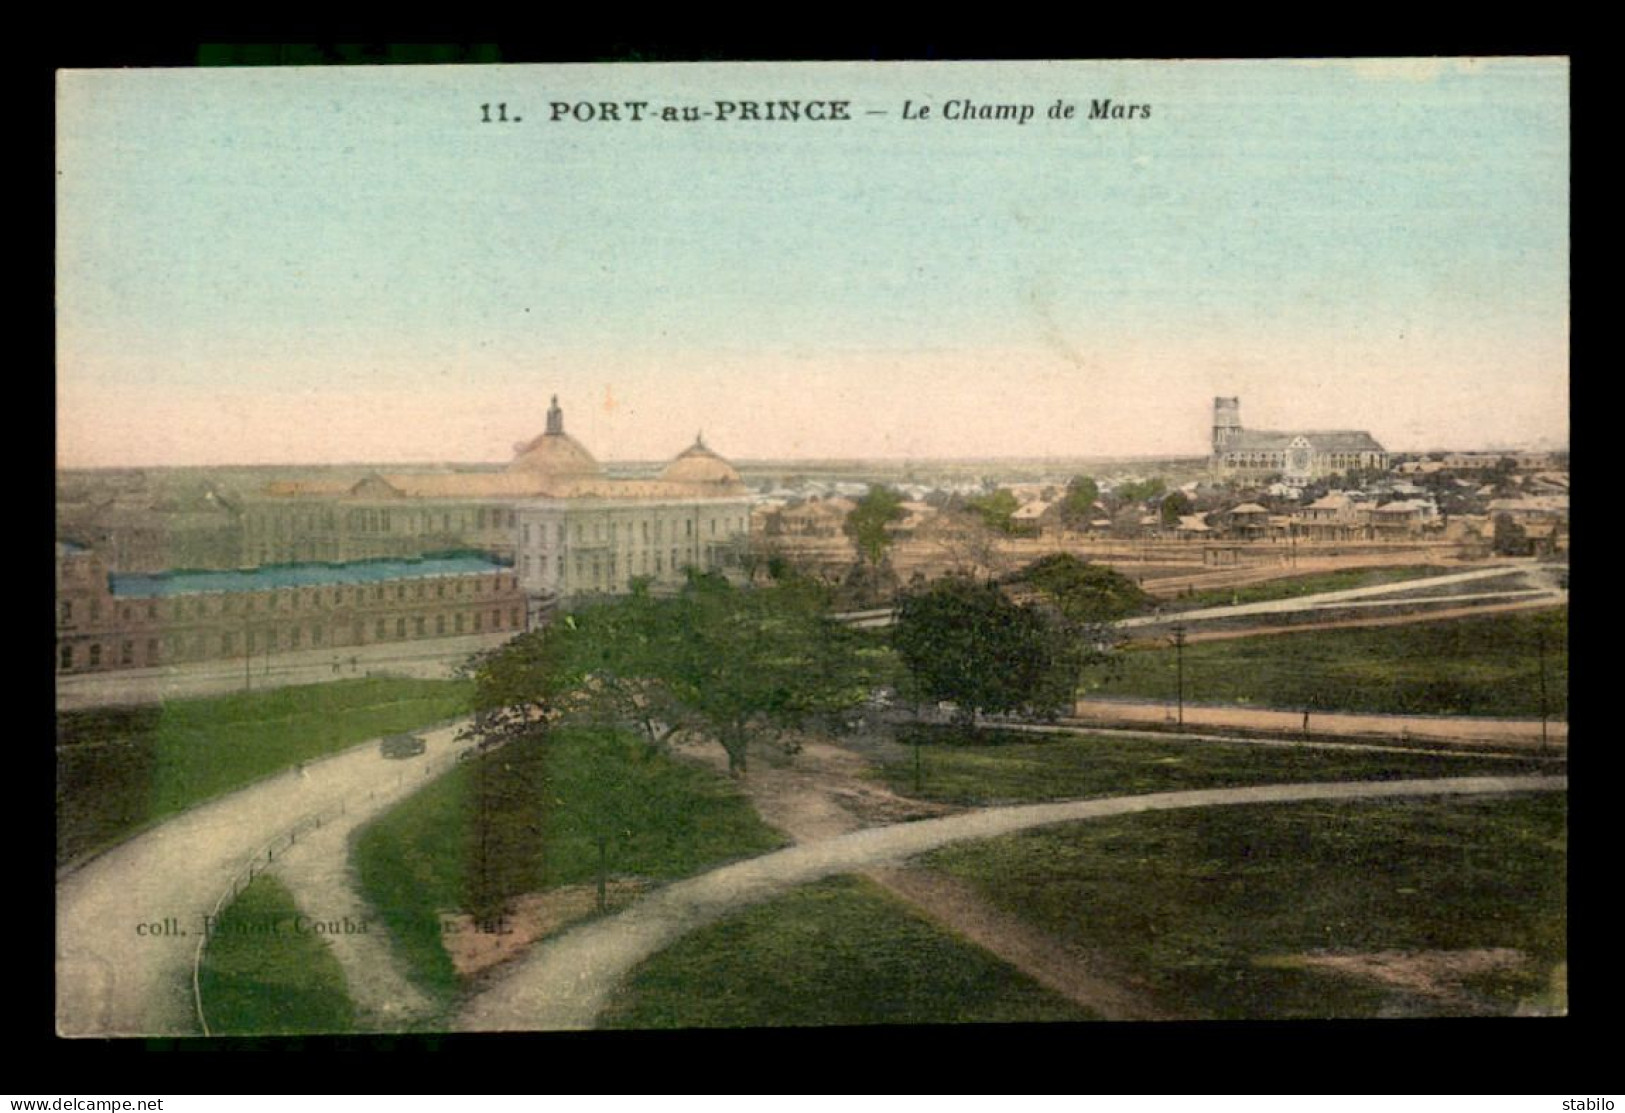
163,566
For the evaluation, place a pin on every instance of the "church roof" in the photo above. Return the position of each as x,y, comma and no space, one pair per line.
1321,440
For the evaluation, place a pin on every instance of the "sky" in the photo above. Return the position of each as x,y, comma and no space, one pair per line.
338,265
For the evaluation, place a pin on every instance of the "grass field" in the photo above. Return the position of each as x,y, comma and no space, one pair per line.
992,766
527,818
841,951
1289,587
121,768
263,976
1223,912
1485,665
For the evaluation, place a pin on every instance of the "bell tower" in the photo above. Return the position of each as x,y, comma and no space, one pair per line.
1226,422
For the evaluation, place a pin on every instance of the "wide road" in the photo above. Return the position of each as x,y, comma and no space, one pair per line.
429,659
129,921
565,982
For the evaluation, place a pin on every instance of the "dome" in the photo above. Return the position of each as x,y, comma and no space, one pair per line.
698,464
555,452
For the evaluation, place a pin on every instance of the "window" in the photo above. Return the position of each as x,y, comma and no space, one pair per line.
458,623
152,611
400,627
126,654
95,655
439,624
418,626
293,637
225,644
64,613
152,651
479,620
64,657
95,609
513,616
440,591
378,630
496,620
316,634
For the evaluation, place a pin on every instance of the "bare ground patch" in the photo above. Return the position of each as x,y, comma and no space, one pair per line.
1438,976
475,947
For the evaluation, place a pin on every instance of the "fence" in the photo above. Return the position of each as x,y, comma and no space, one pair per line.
266,856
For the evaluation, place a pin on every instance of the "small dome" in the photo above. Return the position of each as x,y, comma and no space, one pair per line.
698,464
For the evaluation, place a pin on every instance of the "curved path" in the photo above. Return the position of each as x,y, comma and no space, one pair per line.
565,982
129,921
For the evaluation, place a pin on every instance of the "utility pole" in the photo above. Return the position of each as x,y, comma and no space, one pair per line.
1178,640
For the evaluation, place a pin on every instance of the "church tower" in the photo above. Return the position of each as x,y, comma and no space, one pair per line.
1226,422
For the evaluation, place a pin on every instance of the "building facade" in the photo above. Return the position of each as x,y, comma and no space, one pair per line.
112,620
1298,457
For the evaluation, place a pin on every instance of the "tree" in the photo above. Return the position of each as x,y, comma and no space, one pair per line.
996,510
966,642
1510,538
1083,593
867,521
1143,490
726,664
1175,506
1078,504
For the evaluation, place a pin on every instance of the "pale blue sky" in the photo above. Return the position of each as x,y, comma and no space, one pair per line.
312,265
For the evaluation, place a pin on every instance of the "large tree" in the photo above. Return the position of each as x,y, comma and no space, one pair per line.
966,642
734,666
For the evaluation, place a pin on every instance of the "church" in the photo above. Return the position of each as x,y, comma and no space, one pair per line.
1297,457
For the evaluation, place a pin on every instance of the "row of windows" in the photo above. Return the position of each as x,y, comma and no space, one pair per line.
203,606
227,643
360,520
611,531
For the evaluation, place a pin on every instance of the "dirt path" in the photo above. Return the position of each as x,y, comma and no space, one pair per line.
318,872
827,791
129,921
1540,602
1510,733
565,982
1086,980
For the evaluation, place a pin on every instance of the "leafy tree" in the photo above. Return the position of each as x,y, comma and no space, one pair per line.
866,523
1143,490
996,510
1078,504
1082,592
713,661
965,641
1174,506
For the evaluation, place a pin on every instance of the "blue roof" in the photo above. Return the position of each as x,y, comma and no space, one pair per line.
300,575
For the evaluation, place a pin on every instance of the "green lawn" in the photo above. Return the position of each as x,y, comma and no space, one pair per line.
991,766
262,976
121,768
1289,587
1485,665
1216,908
841,951
529,817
